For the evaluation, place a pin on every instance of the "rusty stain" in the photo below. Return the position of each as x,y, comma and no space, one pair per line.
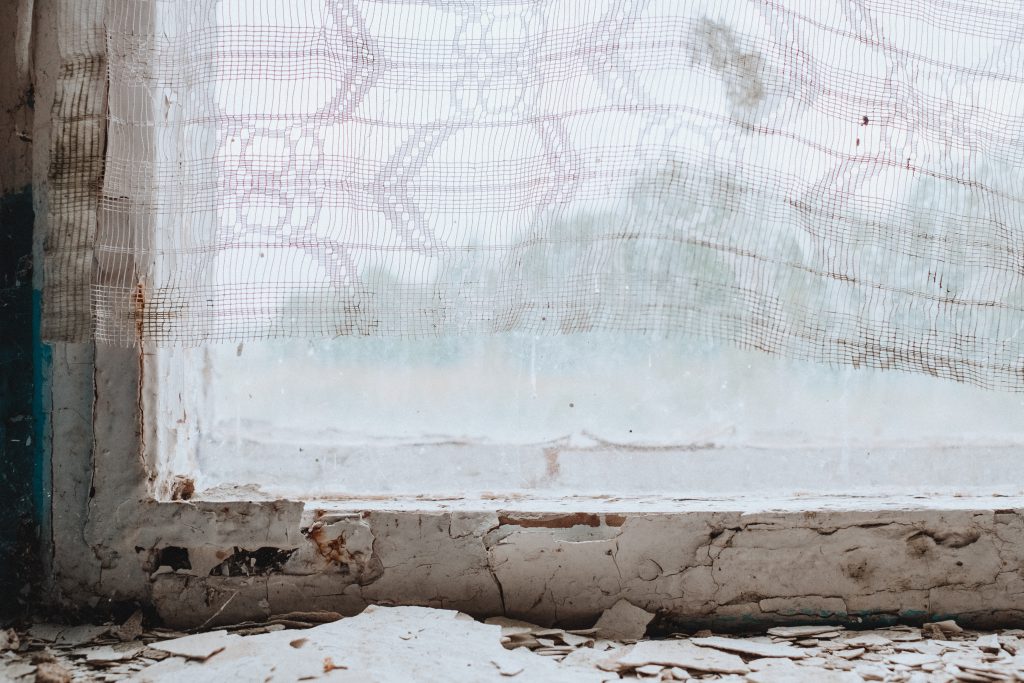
560,521
182,488
330,666
332,550
552,469
363,566
139,309
139,304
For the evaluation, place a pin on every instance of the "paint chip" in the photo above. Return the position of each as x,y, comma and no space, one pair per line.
623,621
200,646
747,646
683,654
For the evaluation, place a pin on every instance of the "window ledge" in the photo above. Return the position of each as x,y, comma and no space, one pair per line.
726,562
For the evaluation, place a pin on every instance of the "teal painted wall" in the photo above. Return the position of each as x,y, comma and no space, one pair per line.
20,468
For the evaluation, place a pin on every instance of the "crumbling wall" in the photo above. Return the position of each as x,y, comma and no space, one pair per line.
721,569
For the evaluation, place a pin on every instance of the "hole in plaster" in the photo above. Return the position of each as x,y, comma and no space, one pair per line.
173,557
253,562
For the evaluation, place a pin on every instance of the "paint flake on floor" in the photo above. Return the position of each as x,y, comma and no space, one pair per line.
423,644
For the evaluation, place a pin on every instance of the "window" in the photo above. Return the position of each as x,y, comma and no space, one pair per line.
370,127
714,331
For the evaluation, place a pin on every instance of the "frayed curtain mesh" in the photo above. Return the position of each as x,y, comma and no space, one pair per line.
75,171
832,181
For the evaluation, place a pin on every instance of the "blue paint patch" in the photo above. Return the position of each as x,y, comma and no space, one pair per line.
42,360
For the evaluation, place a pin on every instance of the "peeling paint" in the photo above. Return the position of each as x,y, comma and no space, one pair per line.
341,544
257,562
561,521
729,570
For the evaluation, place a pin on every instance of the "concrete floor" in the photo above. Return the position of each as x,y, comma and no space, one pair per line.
423,644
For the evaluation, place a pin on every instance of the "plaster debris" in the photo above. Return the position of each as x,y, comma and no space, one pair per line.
68,636
13,670
989,642
868,640
371,646
131,629
201,646
421,644
586,657
119,652
516,633
802,631
912,659
52,672
796,674
508,666
650,669
45,632
683,654
942,629
750,647
576,640
9,639
79,635
871,672
623,621
512,627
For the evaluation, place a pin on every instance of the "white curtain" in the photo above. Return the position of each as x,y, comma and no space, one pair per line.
833,181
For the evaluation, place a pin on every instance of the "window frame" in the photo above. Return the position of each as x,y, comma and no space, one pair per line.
724,563
110,536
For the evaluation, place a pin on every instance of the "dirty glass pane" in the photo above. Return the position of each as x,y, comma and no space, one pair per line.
592,414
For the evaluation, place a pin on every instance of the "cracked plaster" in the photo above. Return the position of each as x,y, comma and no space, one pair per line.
714,568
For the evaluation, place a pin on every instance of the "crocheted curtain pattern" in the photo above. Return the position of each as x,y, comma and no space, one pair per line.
832,181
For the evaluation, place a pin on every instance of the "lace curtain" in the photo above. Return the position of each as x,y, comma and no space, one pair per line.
833,181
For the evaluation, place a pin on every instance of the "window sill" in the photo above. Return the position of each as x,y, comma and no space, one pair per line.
727,562
722,563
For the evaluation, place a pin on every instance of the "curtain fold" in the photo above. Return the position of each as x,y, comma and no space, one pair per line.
836,182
